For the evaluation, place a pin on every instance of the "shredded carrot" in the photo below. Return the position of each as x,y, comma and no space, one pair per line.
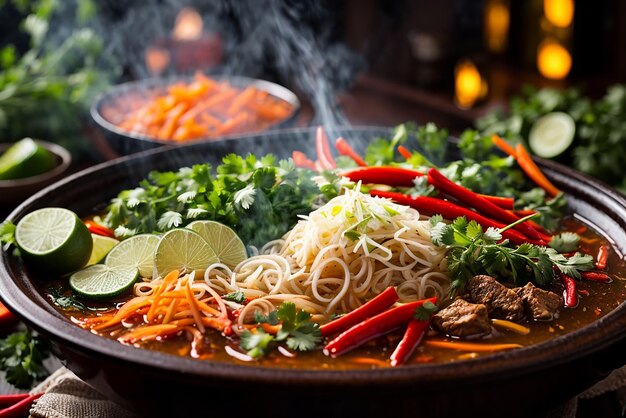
511,326
170,277
173,306
270,329
527,164
503,145
194,307
404,152
196,109
170,311
149,332
478,347
370,361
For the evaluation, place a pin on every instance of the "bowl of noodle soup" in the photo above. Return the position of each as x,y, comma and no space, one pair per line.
159,383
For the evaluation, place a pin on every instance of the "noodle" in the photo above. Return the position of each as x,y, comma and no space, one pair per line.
337,258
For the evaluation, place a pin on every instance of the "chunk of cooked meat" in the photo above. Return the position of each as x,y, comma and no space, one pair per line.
541,305
463,319
501,302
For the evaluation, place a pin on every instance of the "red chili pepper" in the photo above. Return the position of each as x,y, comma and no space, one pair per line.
413,336
524,212
6,316
8,400
571,296
505,203
601,259
373,307
300,160
323,150
373,327
345,149
596,276
21,408
391,176
480,204
404,152
431,206
98,229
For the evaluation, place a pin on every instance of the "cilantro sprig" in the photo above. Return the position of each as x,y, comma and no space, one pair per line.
259,197
473,251
296,330
21,357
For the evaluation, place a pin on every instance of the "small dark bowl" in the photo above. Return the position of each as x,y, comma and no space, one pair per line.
521,382
123,142
15,191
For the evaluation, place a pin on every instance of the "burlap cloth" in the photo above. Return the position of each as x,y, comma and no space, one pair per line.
69,397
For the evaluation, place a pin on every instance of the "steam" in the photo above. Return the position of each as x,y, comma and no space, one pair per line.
288,41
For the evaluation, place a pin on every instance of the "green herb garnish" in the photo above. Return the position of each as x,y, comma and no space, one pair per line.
237,296
21,357
296,330
424,312
259,198
473,251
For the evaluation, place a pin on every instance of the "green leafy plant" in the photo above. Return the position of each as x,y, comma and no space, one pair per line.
296,330
21,357
472,251
46,92
599,147
258,197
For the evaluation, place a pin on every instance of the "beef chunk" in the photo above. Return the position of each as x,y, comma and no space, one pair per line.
501,302
463,319
541,305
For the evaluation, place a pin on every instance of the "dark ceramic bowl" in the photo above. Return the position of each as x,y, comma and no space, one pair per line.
123,142
15,191
520,382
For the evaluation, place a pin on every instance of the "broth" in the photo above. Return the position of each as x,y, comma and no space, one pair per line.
595,300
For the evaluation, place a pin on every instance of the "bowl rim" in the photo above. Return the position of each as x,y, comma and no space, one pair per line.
56,149
571,346
117,90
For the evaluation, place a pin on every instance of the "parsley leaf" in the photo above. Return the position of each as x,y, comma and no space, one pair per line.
296,330
256,343
237,296
565,242
21,357
472,252
424,312
259,197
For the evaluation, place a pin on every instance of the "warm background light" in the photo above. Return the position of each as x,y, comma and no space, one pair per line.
553,60
188,25
468,84
496,24
560,13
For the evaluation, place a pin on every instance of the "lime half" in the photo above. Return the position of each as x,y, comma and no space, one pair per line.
24,159
552,134
183,250
229,249
136,251
101,247
54,239
101,281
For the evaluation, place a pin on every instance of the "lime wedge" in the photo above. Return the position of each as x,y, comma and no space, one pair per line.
136,251
101,247
229,249
183,250
54,239
101,281
24,159
552,134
